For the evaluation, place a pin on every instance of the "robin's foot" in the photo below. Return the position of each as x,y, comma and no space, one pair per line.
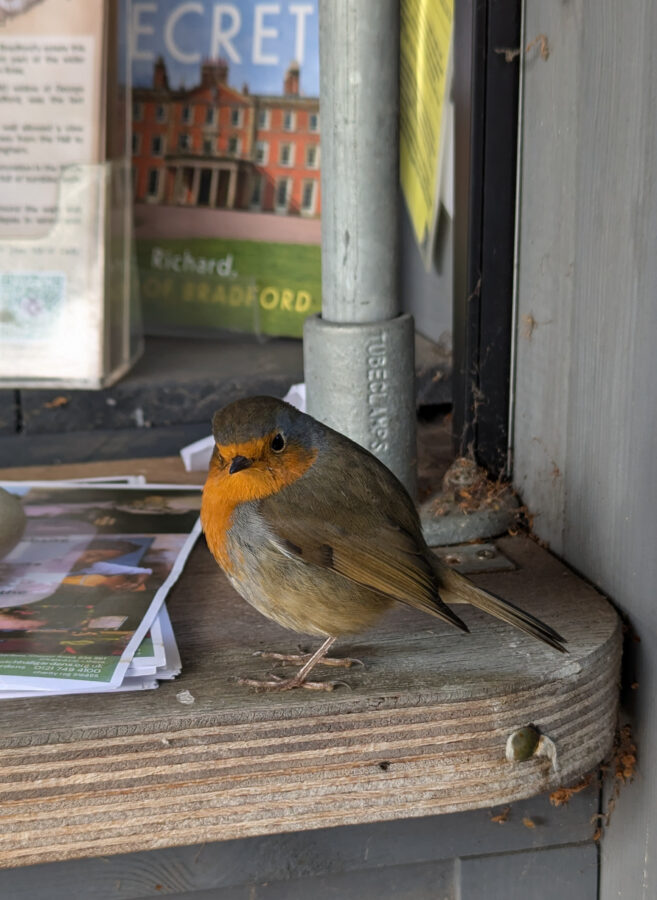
275,683
300,659
300,678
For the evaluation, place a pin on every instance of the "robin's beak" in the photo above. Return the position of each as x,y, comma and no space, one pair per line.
238,463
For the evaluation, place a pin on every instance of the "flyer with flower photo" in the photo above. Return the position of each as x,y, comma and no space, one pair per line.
83,578
144,673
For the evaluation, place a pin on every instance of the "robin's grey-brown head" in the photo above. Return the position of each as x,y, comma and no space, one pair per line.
262,426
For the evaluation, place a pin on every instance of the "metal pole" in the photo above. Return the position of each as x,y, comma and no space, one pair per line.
359,355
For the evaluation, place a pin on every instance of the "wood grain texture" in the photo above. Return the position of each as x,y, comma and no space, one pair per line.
588,375
322,853
421,729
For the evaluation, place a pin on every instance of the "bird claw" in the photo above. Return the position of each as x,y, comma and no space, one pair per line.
308,661
274,682
344,661
299,659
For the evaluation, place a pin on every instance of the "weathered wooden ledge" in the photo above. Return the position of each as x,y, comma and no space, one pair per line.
422,730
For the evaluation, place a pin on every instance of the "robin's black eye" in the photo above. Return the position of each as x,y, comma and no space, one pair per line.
278,443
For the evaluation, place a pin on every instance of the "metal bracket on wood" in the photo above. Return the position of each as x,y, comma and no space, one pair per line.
470,559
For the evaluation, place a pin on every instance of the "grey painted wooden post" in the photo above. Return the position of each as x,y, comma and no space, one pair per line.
585,422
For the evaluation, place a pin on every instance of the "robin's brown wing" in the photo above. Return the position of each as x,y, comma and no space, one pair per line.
369,549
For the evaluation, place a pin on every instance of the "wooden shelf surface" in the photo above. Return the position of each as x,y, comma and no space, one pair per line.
420,730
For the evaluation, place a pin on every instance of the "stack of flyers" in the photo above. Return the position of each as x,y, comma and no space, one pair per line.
85,567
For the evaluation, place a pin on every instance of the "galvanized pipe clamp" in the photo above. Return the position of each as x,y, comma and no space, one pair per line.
360,380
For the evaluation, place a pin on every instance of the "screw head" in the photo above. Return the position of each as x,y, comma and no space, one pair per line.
486,553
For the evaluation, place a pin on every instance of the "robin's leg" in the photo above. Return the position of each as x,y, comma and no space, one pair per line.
274,683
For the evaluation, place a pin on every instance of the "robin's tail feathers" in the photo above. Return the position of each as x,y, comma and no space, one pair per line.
457,589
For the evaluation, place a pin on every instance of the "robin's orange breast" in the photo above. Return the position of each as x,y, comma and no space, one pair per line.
217,518
224,492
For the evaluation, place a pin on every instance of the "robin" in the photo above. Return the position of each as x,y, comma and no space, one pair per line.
317,534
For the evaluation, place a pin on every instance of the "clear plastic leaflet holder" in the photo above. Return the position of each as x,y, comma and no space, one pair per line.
69,305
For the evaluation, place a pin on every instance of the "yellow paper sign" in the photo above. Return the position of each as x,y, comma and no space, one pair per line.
426,34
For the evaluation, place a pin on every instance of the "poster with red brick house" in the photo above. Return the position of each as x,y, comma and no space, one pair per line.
226,157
